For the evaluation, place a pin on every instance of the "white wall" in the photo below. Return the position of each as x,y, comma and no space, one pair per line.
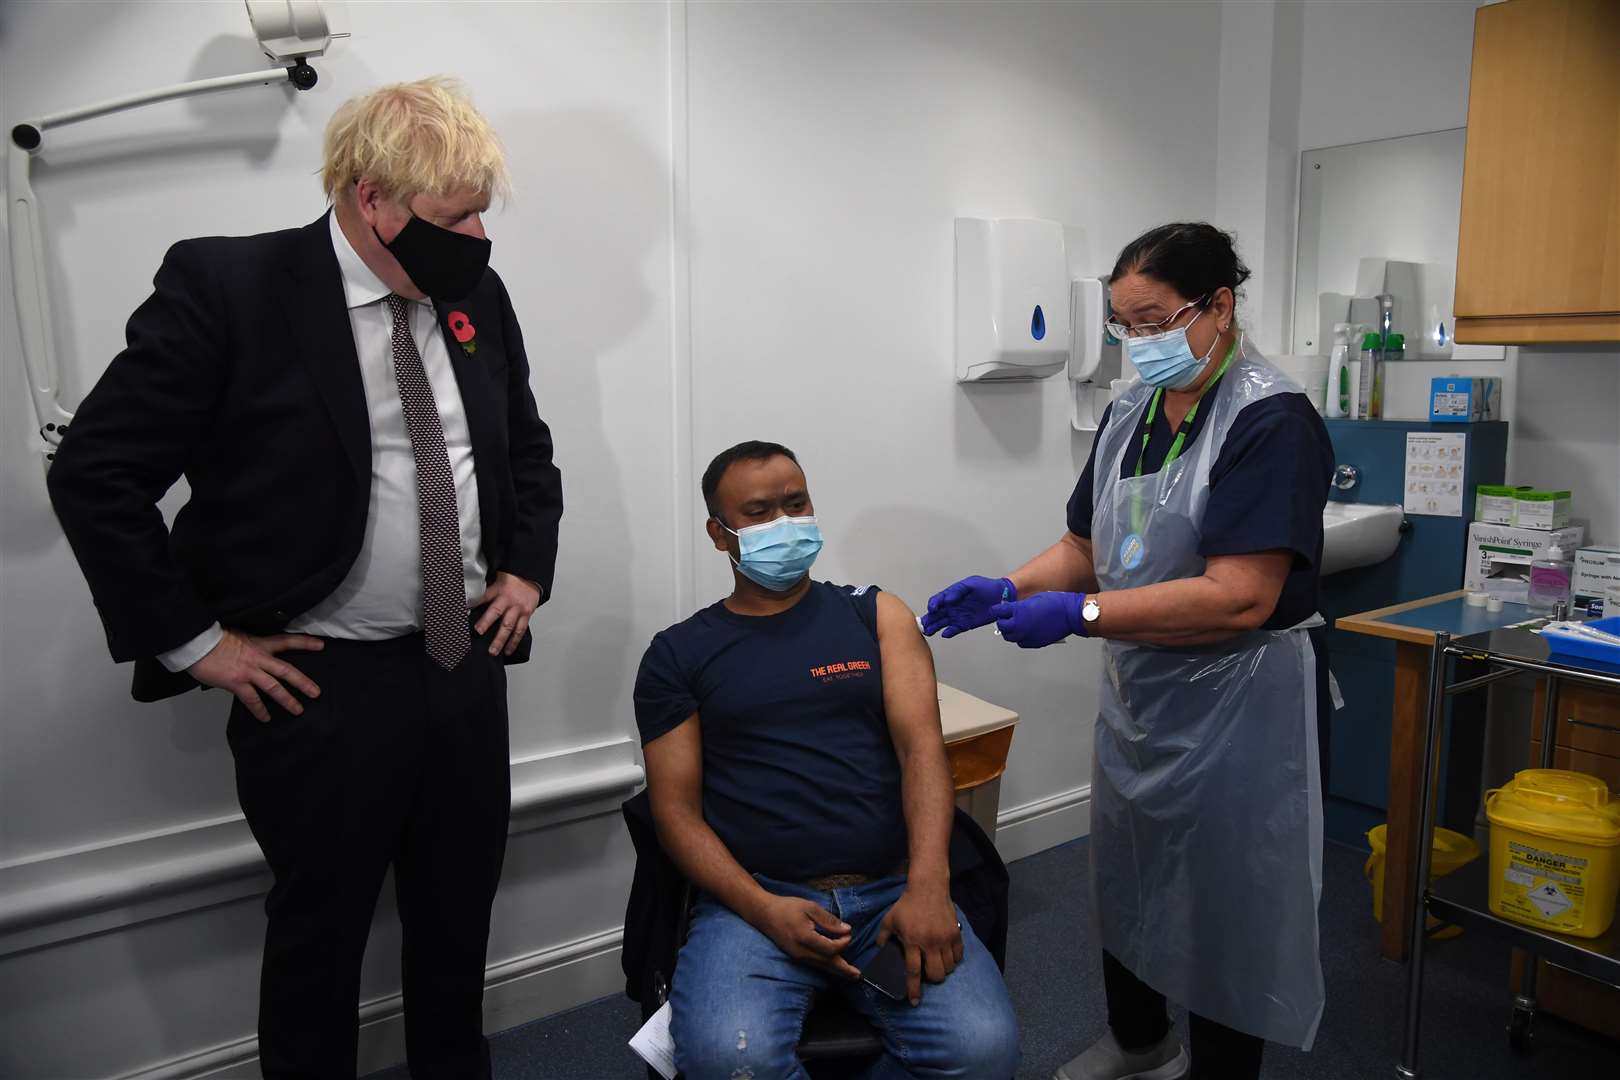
1565,435
831,146
1257,163
1373,71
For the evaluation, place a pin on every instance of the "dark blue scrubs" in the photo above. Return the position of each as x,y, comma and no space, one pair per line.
1267,488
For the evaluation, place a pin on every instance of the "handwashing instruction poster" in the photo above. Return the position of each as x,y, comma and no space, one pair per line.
1434,473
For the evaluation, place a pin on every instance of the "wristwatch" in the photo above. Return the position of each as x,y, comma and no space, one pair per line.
1089,613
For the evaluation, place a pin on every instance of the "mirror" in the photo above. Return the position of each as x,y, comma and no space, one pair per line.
1380,218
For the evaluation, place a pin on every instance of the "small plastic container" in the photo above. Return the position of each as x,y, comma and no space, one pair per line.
1452,852
1555,852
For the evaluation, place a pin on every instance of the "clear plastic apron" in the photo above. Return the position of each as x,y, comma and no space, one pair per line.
1206,842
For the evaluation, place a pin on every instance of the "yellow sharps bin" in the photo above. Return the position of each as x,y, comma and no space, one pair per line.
1555,852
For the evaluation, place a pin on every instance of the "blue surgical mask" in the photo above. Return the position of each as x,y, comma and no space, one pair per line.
777,554
1166,359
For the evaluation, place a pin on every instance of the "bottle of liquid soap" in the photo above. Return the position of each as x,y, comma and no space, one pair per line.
1550,576
1337,401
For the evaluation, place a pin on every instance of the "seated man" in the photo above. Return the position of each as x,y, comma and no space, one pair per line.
798,778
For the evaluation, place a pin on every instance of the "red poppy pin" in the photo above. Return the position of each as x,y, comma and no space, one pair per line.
462,327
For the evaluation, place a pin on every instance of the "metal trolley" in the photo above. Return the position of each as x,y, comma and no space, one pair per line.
1461,897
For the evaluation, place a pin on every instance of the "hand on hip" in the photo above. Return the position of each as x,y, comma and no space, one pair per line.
511,601
248,667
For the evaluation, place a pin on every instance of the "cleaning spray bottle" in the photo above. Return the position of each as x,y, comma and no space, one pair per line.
1371,376
1337,402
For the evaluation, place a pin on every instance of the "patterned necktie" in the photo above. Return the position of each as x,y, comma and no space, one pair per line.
444,590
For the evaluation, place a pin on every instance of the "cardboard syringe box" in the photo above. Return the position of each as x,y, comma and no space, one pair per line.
1502,554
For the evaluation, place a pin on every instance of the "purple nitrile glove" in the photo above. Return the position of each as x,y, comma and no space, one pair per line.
959,608
1041,620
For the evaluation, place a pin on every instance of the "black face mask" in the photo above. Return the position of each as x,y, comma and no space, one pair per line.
443,264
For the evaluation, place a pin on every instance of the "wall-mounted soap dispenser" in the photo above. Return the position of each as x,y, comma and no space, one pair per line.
1012,299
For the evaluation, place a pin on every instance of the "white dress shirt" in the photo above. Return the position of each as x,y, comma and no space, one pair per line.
382,595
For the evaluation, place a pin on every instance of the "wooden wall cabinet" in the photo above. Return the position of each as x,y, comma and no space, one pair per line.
1538,253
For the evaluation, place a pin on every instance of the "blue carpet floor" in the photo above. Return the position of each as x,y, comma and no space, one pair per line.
1054,973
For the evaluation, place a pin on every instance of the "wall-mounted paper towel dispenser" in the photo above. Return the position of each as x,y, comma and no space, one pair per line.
1012,299
1020,316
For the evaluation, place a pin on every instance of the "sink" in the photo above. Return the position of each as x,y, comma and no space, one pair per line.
1358,534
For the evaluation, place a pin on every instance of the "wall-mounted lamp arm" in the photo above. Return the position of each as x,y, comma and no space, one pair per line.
33,303
28,273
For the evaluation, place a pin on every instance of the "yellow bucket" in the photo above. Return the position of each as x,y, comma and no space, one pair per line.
1555,851
1452,851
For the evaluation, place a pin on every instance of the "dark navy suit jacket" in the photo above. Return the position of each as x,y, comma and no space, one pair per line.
240,374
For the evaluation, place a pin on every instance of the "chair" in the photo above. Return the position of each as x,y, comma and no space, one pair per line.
837,1041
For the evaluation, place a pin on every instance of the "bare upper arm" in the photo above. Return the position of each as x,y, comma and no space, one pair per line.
675,771
910,692
1254,582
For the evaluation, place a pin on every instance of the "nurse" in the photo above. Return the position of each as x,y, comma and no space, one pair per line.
1194,537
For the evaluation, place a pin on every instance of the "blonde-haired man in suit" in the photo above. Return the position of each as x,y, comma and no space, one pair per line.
372,523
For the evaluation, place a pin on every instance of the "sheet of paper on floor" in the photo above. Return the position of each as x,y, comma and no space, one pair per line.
654,1044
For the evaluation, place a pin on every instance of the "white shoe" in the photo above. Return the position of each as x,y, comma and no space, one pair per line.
1106,1061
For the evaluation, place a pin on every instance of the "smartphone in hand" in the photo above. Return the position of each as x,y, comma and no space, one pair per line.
887,971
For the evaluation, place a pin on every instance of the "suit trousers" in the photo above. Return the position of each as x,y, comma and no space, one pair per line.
398,763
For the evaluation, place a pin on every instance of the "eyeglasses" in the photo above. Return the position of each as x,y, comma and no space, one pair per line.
1120,331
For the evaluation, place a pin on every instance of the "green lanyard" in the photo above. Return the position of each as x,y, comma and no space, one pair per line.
1181,434
1186,422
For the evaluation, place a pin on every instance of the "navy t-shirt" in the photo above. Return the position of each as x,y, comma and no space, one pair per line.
1267,487
800,778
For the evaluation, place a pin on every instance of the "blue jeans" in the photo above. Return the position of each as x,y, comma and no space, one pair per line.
739,1002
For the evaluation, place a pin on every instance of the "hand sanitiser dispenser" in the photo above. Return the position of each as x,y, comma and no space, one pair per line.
1096,360
1012,299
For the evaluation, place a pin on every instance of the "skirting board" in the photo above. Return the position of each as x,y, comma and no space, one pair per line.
50,899
1045,823
515,992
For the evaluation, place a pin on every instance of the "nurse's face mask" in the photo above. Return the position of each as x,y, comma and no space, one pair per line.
776,554
1163,357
